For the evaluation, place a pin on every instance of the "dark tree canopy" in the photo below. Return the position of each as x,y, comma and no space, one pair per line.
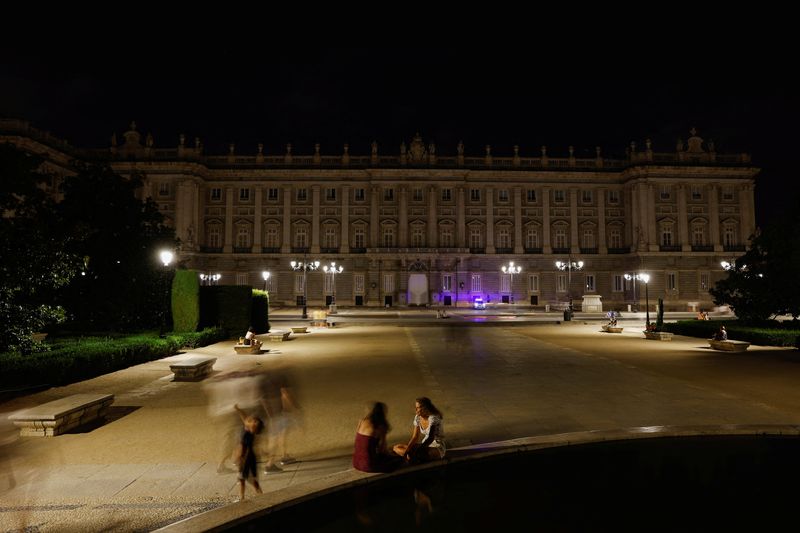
763,282
34,245
119,236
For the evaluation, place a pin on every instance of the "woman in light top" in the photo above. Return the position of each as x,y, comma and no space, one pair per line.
427,439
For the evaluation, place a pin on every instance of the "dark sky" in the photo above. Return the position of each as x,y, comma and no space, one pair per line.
349,95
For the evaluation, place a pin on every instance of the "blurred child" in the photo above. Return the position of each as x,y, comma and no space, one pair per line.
246,456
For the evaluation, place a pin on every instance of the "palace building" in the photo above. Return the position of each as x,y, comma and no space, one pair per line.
418,226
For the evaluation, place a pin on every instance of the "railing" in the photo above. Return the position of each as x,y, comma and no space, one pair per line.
589,250
242,249
329,250
211,249
268,250
702,247
623,250
562,250
477,250
299,249
533,250
670,248
504,250
733,247
358,250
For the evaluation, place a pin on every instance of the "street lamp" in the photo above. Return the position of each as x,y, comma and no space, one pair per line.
265,275
511,270
332,269
569,266
646,279
305,267
633,277
210,279
166,257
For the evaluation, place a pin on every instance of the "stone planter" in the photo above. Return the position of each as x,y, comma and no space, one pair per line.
658,335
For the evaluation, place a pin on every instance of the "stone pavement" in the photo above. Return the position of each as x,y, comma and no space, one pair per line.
154,460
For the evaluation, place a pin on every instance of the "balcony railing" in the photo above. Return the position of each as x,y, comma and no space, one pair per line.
267,250
589,250
670,248
477,250
623,250
504,250
299,249
211,249
733,247
358,250
702,247
533,250
242,249
561,250
329,250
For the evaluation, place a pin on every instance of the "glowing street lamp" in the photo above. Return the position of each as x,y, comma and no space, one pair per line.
166,257
633,277
511,270
265,275
569,266
210,279
332,269
305,267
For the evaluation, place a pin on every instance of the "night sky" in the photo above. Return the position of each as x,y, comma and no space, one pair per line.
348,95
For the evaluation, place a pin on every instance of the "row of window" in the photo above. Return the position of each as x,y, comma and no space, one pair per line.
418,237
619,283
475,195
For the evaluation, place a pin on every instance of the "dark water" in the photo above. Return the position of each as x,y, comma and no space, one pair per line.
660,484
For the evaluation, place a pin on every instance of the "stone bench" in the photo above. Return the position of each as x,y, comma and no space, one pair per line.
193,368
300,329
729,345
253,347
658,335
59,416
279,336
612,329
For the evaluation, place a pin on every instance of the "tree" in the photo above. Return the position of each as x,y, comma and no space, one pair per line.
763,282
120,236
34,246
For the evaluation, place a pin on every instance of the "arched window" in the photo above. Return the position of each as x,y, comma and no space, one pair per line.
504,237
615,238
699,234
417,236
588,238
301,237
560,240
214,236
532,237
446,237
388,237
730,235
475,237
243,236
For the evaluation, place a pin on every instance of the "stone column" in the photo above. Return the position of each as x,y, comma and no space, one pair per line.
344,238
632,223
228,247
518,248
650,216
601,221
489,220
257,221
683,219
575,245
374,222
713,215
402,219
286,245
315,219
461,218
546,248
433,221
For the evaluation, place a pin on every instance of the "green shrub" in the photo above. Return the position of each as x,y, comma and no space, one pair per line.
260,314
185,301
764,336
226,306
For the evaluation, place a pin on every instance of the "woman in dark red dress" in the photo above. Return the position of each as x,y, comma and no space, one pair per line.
370,454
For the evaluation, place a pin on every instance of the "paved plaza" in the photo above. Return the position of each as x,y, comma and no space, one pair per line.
498,377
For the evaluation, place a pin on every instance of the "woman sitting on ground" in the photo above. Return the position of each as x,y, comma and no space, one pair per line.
427,439
370,453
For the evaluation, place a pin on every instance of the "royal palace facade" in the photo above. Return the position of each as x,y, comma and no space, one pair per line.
418,228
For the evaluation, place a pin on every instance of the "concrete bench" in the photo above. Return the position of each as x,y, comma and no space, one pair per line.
193,368
279,335
253,347
729,345
612,329
59,416
300,329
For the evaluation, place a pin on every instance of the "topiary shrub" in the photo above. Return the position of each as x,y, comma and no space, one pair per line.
260,315
228,307
185,301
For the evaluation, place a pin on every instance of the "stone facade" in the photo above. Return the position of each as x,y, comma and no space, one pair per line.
421,227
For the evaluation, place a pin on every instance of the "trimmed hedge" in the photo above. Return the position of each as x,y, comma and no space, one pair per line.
226,306
185,301
75,359
260,314
763,336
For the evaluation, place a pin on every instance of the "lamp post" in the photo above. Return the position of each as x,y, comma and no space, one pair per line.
646,279
569,266
332,269
511,270
633,277
166,257
265,275
305,267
